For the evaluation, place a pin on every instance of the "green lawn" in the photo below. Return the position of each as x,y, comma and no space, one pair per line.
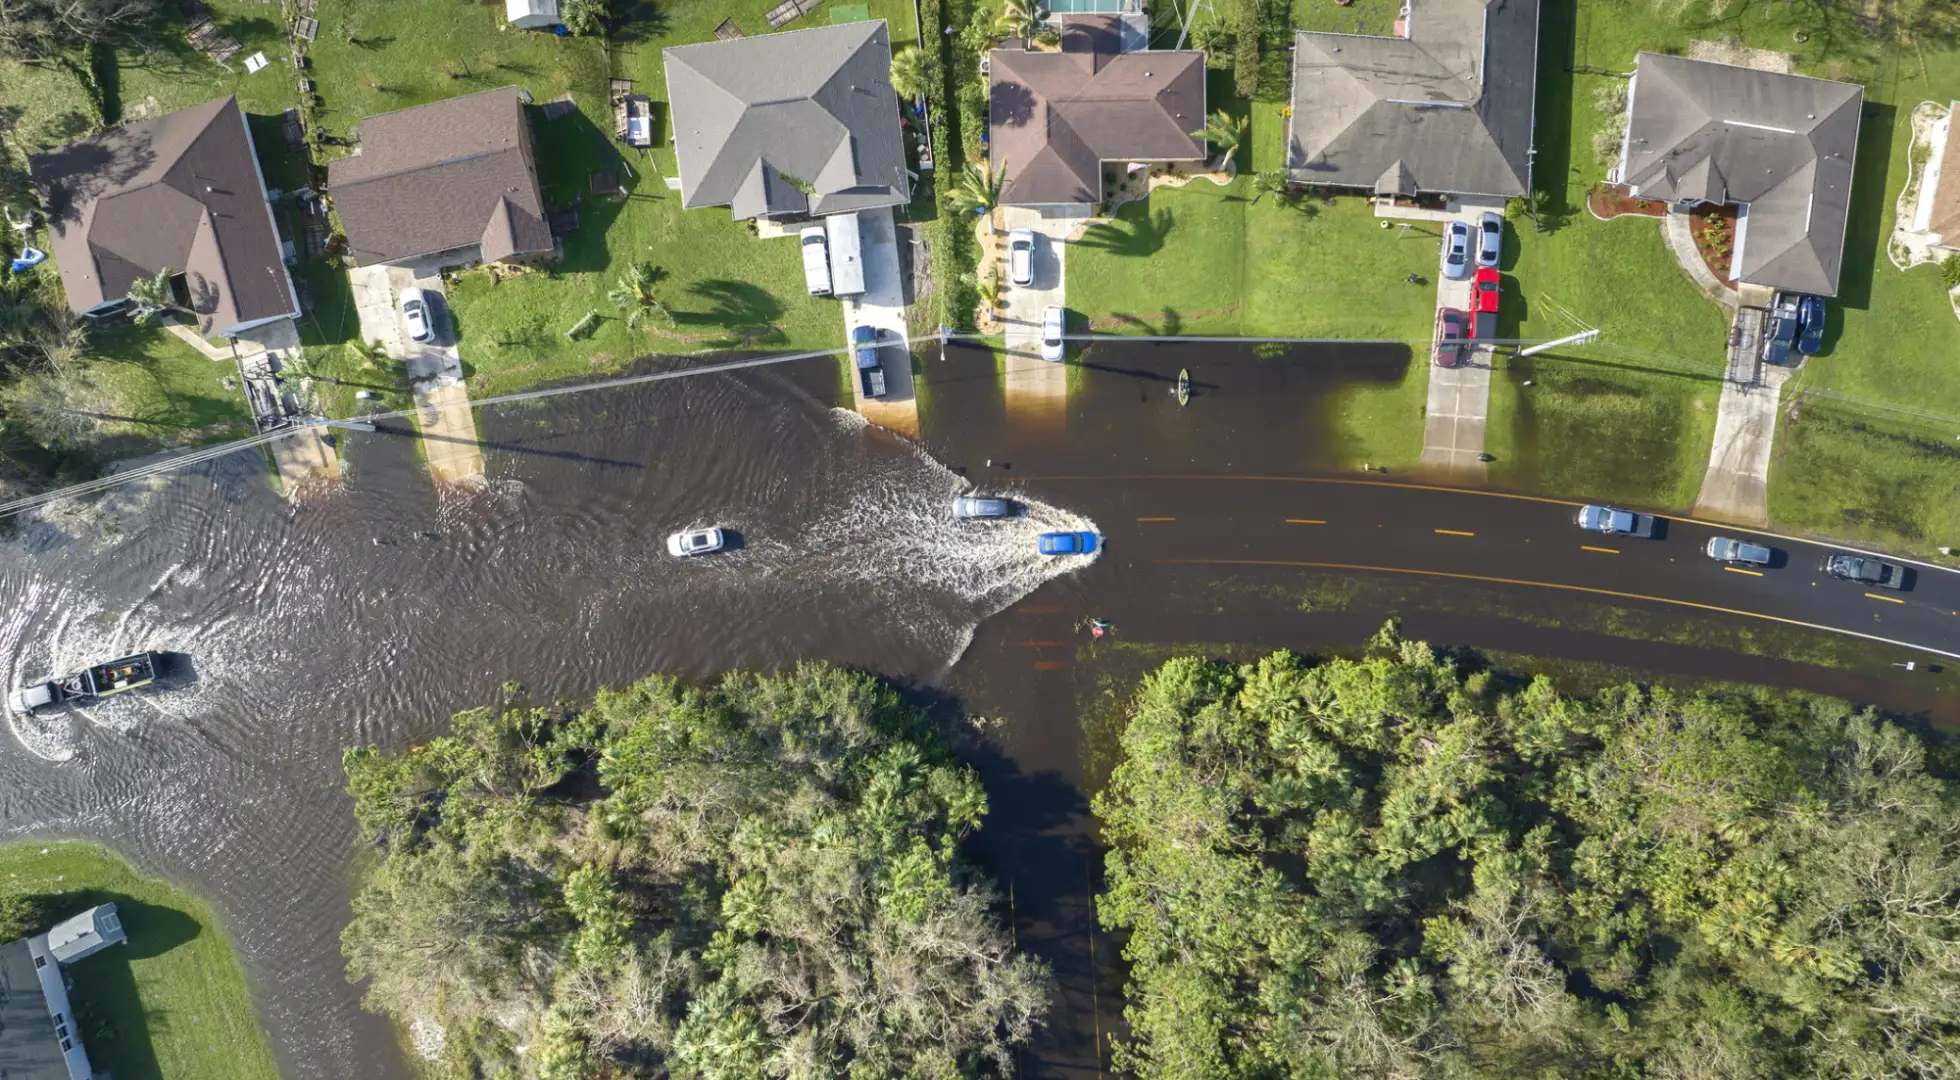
172,1003
1837,472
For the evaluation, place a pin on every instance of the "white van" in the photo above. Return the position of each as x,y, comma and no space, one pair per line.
846,255
816,260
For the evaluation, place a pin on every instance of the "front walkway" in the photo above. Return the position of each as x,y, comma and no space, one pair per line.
1036,389
882,306
1677,231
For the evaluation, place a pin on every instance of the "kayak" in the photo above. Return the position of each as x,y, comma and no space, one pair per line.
1183,387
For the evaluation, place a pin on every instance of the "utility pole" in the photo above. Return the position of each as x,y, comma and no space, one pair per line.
1576,339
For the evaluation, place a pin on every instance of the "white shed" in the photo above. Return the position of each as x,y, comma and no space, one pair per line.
531,14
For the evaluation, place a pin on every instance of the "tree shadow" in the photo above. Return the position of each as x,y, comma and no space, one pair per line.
637,21
742,308
570,150
1137,234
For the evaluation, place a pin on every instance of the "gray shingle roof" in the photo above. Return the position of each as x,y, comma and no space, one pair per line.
439,177
798,122
1783,144
181,191
29,1047
1447,109
1055,117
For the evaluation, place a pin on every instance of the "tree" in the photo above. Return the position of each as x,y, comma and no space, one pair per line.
36,31
979,192
586,18
909,73
1018,18
634,291
755,879
1223,132
1387,867
22,914
150,297
369,354
1244,18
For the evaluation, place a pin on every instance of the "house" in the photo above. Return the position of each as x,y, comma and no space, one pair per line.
1055,118
1445,106
1936,215
1779,146
451,183
182,191
38,1038
531,14
802,123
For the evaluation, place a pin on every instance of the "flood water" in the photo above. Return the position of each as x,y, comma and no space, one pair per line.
370,614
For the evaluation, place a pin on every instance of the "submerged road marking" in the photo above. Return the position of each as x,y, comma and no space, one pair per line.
1564,588
1455,532
1049,665
1305,521
1740,570
1601,550
1158,519
1889,599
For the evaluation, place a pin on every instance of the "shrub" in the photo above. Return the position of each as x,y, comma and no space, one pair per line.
1950,271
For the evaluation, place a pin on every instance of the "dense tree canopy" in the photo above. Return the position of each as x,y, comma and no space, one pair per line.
755,880
1384,868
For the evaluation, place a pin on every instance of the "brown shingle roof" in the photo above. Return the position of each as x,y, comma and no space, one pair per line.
1057,116
180,191
1945,219
439,177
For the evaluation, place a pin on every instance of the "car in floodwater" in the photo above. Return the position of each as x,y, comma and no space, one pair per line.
1865,570
690,542
1067,543
1614,521
1728,549
978,506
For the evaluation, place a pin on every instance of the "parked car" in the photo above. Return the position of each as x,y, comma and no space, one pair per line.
696,542
1614,521
1865,570
871,372
1490,240
1778,338
415,315
1068,543
1810,321
1020,256
976,506
1730,550
816,260
1485,290
1051,334
1456,251
1452,333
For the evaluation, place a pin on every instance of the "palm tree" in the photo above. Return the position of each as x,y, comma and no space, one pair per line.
909,73
979,192
152,296
1020,17
371,354
989,290
1223,132
633,290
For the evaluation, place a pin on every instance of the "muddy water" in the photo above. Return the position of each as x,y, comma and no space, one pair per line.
371,615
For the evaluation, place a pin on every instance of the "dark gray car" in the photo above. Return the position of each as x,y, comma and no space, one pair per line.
975,506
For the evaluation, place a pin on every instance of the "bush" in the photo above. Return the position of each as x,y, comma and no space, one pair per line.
1245,47
1950,271
22,914
1611,100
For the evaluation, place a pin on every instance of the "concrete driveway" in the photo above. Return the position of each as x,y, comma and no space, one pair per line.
1036,388
1459,397
377,292
882,306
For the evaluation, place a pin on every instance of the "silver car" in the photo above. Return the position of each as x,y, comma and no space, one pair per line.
1020,256
1052,321
1456,251
1490,240
1730,550
976,506
415,315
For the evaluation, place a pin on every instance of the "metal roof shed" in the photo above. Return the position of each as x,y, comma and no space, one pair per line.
86,934
531,14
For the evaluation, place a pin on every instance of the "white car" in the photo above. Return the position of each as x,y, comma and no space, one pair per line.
1490,240
415,315
1456,251
696,542
1051,333
1020,256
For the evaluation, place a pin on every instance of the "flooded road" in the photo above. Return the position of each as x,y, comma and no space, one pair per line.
373,613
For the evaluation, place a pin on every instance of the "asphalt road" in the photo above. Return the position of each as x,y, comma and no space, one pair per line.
1395,528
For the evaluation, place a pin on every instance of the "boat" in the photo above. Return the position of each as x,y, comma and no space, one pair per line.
100,681
1183,387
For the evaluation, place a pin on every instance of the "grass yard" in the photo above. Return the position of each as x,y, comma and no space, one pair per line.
172,1003
1838,472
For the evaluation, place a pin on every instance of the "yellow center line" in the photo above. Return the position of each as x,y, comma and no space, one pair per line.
1601,550
1158,519
1455,532
1892,599
1563,588
1740,570
1305,521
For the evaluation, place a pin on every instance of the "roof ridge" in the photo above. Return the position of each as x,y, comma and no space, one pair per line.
406,170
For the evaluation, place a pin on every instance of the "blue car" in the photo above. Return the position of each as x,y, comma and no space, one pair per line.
1810,316
1068,543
